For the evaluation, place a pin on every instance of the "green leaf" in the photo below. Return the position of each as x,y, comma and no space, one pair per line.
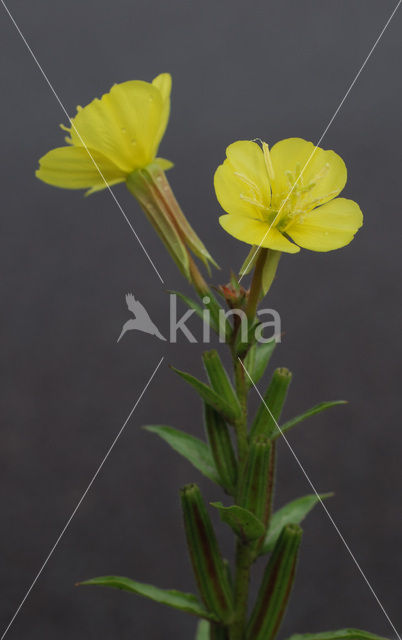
203,630
201,311
257,360
322,406
292,513
178,600
341,634
191,448
231,413
219,378
190,303
244,523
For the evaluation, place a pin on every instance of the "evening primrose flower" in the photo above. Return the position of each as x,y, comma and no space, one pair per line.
287,193
116,139
111,137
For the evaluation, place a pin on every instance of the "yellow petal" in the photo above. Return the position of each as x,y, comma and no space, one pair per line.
323,172
328,227
241,182
73,168
163,82
248,162
126,124
256,232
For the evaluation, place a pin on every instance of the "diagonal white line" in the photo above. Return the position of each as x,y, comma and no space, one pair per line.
82,141
352,84
81,500
323,505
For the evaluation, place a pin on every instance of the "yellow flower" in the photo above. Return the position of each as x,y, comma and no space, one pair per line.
116,139
121,131
287,193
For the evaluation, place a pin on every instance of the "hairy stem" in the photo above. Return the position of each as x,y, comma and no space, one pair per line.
242,579
243,556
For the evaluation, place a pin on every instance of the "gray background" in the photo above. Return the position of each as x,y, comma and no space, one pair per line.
240,70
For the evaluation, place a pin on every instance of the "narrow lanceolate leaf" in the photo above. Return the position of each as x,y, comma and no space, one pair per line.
212,313
213,399
192,304
209,569
322,406
268,414
256,484
257,360
276,586
221,448
184,601
244,523
293,512
191,448
219,379
340,634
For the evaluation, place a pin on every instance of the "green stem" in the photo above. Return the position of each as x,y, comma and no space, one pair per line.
243,555
241,424
242,579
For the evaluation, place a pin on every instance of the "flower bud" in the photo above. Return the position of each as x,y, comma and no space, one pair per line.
208,565
276,586
221,448
255,492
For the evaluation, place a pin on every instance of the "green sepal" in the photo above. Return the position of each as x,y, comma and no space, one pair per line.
164,164
292,512
177,599
322,406
213,399
206,559
257,359
255,490
191,448
265,422
244,523
141,186
219,379
276,586
221,448
269,270
250,261
340,634
186,232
